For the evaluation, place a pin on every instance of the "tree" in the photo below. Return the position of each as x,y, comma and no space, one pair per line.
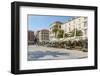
66,35
79,32
55,31
60,33
56,27
76,32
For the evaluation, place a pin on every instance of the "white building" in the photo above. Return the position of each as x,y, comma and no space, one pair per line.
79,23
43,35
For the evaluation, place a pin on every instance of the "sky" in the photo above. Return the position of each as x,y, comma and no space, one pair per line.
38,22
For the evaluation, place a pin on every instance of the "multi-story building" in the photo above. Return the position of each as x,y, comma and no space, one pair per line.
31,37
43,35
53,30
79,23
37,34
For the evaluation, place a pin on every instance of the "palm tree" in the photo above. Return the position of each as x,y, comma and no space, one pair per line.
60,33
55,31
56,26
76,32
79,32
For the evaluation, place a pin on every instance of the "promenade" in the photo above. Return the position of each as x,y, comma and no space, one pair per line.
50,53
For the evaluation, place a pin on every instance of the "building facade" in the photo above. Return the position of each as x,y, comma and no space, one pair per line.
53,30
31,37
79,23
43,35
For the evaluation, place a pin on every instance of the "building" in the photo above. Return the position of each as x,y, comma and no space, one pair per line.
43,35
37,34
53,30
79,23
31,37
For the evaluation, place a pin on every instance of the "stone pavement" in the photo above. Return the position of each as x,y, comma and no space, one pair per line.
50,53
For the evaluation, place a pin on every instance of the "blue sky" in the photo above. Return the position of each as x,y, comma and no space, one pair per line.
38,22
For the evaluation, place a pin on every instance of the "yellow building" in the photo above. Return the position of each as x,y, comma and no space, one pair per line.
53,30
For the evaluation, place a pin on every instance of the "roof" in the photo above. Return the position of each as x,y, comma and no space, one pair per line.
45,30
56,22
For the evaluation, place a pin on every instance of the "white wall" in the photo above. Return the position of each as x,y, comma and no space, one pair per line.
5,41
